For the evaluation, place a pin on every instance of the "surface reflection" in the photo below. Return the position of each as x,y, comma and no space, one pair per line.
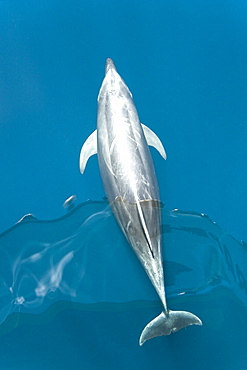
83,259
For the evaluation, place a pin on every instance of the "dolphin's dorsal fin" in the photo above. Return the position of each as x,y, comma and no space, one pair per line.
88,148
153,140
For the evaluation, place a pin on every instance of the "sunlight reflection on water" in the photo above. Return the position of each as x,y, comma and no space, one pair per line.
84,258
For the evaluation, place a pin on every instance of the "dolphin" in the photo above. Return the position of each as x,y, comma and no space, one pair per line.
128,175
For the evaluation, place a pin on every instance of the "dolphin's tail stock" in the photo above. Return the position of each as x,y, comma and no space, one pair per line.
167,323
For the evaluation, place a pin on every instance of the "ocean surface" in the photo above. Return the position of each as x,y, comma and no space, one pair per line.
72,293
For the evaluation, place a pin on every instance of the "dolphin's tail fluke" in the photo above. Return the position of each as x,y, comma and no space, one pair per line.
167,323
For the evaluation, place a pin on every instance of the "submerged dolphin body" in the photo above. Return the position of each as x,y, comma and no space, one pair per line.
130,183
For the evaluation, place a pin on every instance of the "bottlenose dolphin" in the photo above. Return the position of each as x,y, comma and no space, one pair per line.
130,183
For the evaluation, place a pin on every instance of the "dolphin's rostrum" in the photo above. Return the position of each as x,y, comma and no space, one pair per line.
130,183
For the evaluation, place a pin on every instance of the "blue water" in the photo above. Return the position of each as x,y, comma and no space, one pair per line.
70,304
84,300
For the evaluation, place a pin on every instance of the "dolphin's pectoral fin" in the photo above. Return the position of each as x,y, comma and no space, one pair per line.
167,323
88,148
153,140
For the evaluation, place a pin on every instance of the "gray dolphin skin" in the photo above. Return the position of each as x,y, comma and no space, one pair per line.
130,183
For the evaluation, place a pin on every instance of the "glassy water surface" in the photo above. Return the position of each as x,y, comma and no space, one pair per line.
72,289
72,293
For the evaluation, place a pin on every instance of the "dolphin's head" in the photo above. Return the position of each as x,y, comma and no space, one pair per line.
109,65
113,84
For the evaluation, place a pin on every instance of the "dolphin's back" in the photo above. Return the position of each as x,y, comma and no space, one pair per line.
124,157
130,183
